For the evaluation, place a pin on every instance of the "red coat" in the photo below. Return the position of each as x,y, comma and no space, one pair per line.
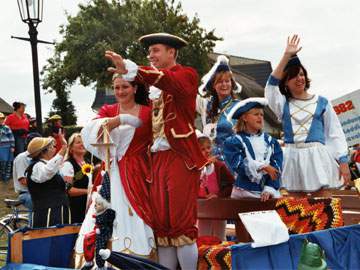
179,86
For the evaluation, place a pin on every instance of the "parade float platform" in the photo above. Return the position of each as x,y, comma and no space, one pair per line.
318,219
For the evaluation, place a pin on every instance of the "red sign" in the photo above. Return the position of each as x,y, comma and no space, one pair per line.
344,107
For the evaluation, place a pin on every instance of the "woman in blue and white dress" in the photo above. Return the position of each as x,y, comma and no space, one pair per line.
251,154
316,152
215,100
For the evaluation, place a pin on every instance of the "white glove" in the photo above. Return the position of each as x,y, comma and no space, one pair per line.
104,253
128,119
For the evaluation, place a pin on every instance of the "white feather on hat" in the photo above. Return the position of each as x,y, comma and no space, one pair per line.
221,60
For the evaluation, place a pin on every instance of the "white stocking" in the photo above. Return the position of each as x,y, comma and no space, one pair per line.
188,256
167,257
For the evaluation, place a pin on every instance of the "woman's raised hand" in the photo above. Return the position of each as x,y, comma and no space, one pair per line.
292,46
118,61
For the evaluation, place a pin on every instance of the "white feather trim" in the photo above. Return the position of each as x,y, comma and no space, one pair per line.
260,100
154,92
221,59
132,69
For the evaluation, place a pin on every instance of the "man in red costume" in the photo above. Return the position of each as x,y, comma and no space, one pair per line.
176,158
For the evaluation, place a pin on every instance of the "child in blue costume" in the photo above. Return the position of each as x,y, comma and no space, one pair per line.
254,156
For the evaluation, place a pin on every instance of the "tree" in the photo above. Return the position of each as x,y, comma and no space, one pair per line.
102,25
63,107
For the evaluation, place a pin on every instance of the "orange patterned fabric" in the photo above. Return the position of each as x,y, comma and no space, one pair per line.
215,257
310,214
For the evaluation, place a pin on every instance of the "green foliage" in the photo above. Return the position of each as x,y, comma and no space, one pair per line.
64,107
69,130
116,25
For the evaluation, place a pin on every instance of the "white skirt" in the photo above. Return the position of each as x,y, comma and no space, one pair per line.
309,168
130,233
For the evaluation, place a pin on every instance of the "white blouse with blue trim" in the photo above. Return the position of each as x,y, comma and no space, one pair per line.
304,121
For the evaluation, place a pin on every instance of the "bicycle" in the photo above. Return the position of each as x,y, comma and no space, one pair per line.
18,218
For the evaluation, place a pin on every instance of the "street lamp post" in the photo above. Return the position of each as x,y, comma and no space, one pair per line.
31,12
33,40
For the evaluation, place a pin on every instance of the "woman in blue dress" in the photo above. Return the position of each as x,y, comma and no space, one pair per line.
216,98
316,152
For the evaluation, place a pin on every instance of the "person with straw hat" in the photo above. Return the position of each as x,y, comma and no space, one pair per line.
176,159
46,186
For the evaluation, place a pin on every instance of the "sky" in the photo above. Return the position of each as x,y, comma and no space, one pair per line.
329,33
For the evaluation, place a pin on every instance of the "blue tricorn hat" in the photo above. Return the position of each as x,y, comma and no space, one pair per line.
245,105
221,65
293,61
163,38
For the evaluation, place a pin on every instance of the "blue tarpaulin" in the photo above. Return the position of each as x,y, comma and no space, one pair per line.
341,246
54,251
29,266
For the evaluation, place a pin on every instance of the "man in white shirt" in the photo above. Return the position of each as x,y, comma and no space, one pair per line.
21,162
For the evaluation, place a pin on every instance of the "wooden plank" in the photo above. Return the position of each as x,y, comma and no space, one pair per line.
16,248
50,232
349,201
226,208
351,217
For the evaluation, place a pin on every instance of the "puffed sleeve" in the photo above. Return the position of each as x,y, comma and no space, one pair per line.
120,136
67,169
335,139
44,172
234,154
201,106
275,98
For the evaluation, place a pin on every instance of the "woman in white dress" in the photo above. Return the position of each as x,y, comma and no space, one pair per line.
129,121
316,154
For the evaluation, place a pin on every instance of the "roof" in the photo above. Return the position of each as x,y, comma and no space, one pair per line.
5,107
102,98
251,88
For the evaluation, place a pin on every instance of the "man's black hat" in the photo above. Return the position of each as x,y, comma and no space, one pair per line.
163,38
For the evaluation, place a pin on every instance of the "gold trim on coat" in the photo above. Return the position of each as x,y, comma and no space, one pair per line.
177,242
184,135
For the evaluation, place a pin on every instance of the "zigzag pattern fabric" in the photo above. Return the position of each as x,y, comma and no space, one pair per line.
300,215
215,257
310,214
